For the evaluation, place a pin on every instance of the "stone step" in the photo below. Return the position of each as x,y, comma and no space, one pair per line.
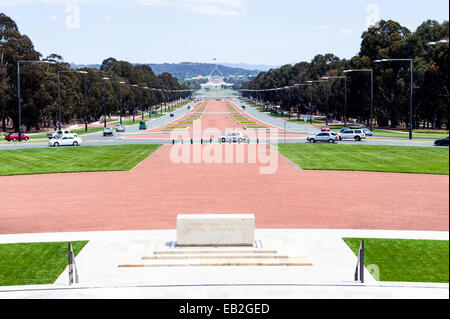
193,251
214,256
169,248
286,262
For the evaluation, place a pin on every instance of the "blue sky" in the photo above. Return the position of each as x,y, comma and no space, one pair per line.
272,32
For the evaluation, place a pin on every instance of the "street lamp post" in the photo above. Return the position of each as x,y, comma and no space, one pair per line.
18,93
143,102
59,93
371,91
134,100
120,101
411,91
104,100
85,106
345,98
323,81
445,41
310,100
288,88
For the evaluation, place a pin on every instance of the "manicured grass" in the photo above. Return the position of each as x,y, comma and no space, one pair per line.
81,131
376,158
34,263
387,133
307,122
175,127
73,159
137,120
255,126
127,122
405,260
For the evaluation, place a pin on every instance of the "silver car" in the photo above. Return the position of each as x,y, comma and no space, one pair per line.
237,137
327,137
357,135
120,128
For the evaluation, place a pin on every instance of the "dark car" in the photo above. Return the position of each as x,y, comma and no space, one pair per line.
108,132
443,142
15,137
172,115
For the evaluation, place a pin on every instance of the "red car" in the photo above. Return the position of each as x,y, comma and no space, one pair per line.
326,129
15,137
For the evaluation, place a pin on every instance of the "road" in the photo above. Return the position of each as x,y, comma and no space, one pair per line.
294,133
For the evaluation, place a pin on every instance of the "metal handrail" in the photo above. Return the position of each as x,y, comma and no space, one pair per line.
359,272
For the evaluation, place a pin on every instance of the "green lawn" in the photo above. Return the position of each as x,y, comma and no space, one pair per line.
175,128
437,134
34,264
255,126
405,260
73,159
81,131
416,134
307,122
377,158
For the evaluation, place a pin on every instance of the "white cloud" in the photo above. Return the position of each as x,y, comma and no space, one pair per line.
346,31
325,27
207,7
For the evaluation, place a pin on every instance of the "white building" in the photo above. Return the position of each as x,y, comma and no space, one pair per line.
216,81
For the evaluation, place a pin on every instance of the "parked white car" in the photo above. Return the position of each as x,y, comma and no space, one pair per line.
60,134
323,137
236,137
357,135
65,141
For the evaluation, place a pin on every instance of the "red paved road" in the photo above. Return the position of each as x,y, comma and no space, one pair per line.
151,196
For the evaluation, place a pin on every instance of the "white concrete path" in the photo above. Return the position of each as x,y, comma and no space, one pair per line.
330,277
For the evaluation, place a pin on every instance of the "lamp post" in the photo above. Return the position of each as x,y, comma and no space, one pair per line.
104,100
411,91
371,91
345,98
59,93
134,99
18,92
438,42
120,100
143,102
310,100
85,98
289,99
323,81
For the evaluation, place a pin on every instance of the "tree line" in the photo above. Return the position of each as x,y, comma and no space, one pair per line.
386,40
39,86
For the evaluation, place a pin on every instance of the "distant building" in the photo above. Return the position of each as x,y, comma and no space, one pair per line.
216,81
